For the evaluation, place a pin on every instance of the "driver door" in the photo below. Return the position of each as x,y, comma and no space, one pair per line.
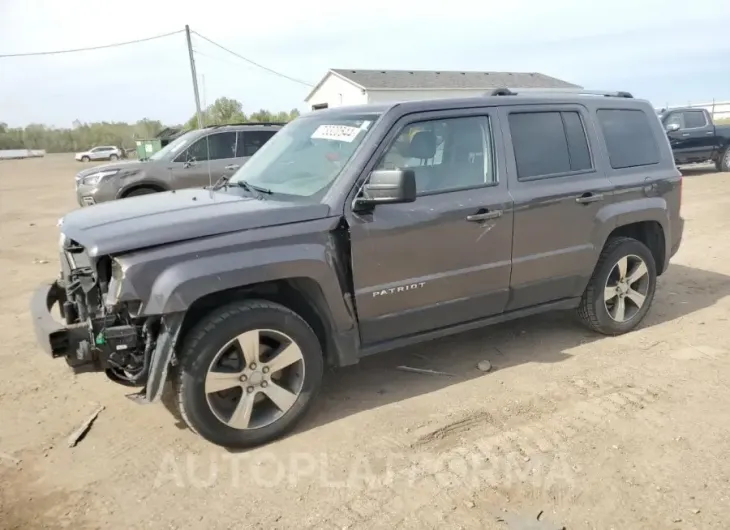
444,259
205,161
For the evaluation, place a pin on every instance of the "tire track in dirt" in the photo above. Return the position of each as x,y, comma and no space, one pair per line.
518,452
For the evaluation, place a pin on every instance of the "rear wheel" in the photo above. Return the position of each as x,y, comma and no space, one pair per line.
621,290
248,373
140,191
723,163
113,157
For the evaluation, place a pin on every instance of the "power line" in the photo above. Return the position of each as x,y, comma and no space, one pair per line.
221,59
258,65
56,52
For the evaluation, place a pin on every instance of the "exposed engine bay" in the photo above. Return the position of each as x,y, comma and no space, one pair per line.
100,336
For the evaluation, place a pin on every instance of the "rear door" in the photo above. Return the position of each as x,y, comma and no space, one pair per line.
249,142
205,161
445,258
695,139
558,191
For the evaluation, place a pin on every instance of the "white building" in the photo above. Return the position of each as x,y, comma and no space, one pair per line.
341,87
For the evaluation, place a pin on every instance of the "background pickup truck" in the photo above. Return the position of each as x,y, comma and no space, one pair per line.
695,138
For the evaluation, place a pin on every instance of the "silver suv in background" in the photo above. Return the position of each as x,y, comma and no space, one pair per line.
197,158
102,152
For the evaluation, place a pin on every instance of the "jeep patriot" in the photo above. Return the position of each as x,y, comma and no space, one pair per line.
358,230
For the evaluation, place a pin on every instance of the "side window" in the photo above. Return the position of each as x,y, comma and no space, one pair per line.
694,119
629,138
218,146
675,117
446,155
549,143
251,141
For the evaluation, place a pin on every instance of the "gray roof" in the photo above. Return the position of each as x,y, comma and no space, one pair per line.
408,79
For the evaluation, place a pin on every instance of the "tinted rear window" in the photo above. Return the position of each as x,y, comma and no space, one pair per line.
629,138
549,143
694,119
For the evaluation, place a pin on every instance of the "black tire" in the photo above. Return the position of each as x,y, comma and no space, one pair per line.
723,163
140,191
200,349
85,159
593,311
113,157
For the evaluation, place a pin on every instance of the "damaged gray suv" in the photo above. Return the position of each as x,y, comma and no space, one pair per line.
359,230
196,159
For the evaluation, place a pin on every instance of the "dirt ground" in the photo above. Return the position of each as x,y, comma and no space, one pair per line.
595,432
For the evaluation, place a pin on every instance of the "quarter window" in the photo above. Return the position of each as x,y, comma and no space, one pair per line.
446,155
549,143
629,138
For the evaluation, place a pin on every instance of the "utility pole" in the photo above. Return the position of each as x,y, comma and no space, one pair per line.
195,77
205,101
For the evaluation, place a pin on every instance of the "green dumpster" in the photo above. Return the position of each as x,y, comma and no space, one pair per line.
145,148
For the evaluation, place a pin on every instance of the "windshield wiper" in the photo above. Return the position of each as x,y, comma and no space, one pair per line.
256,191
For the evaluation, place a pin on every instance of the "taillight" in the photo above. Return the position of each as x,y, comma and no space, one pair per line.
681,180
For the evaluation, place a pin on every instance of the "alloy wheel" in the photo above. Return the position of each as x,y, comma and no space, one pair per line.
626,288
255,379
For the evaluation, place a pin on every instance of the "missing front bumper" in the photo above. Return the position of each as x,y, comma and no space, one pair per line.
73,342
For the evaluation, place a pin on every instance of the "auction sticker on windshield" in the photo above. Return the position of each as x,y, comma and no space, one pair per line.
341,133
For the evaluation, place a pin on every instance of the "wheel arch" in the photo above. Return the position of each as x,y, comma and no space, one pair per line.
651,234
646,220
150,184
303,295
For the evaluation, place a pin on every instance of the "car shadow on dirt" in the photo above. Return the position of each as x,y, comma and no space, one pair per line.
377,381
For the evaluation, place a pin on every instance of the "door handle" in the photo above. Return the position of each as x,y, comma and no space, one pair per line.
232,167
484,215
685,134
588,198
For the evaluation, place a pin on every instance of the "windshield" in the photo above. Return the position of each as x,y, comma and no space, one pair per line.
304,158
174,147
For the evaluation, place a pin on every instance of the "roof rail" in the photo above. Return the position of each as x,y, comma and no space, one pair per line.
577,91
277,123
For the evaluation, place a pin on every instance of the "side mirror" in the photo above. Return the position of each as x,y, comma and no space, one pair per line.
673,127
389,186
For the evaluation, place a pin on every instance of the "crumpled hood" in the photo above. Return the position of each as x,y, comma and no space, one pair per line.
126,164
159,218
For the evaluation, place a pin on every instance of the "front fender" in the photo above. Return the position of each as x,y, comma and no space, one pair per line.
181,284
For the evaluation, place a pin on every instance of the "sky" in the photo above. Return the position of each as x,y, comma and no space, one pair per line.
667,51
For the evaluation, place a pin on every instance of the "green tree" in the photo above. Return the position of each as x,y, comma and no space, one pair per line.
82,136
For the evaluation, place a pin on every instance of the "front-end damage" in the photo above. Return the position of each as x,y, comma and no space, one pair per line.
98,332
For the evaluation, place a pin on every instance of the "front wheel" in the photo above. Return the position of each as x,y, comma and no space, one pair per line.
113,157
85,159
140,191
248,373
622,287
